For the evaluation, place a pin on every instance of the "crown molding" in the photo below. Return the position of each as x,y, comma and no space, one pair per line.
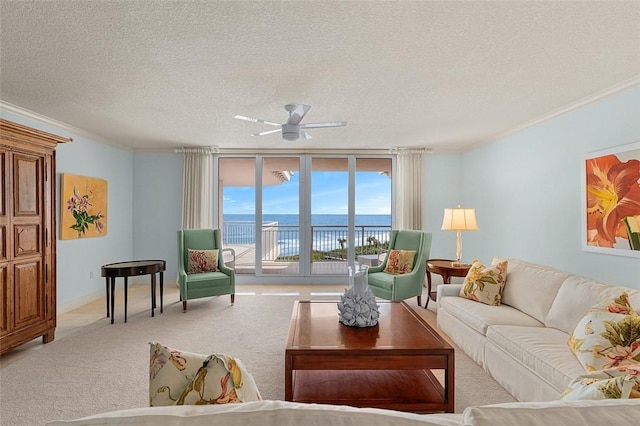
409,151
198,150
594,97
25,113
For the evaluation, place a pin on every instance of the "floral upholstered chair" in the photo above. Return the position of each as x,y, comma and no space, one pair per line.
402,273
202,271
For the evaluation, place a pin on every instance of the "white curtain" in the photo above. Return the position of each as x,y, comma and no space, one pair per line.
197,187
410,189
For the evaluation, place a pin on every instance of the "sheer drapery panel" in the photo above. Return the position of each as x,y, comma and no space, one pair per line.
409,197
197,187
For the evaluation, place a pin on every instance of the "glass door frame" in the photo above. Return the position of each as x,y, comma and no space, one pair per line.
304,275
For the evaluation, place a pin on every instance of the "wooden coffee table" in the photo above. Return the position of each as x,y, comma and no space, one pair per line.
385,366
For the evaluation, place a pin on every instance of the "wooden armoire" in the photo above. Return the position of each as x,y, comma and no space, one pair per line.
27,234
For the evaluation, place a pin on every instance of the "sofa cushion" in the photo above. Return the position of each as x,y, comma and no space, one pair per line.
542,350
576,296
608,335
264,413
612,383
184,378
484,284
479,316
609,412
531,288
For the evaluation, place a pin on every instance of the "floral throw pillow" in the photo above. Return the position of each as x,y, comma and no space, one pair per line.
485,284
202,261
608,335
184,378
400,262
613,383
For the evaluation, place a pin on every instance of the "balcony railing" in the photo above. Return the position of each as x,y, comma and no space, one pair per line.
328,242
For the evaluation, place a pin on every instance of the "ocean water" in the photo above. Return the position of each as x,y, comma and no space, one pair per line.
328,230
316,219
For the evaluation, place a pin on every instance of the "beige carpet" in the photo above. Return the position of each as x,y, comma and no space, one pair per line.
104,367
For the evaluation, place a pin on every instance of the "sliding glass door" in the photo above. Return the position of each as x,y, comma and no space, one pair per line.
279,217
304,215
329,201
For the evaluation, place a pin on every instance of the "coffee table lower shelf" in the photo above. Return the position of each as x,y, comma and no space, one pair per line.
417,391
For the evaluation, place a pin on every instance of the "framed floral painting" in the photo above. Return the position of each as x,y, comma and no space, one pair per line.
83,207
611,200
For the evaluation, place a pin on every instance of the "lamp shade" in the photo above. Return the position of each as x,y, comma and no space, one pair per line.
459,219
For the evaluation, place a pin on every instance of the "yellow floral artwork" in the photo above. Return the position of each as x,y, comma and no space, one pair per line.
83,207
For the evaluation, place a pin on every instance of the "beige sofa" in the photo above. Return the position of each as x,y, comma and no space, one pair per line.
278,413
522,343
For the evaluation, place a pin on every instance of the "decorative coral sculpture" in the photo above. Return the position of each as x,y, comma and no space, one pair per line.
357,306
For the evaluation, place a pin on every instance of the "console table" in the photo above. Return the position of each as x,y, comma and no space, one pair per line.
130,269
444,268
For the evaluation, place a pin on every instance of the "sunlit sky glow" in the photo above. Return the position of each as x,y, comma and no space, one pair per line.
328,195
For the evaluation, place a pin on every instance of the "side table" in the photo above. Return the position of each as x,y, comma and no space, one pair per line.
368,259
444,268
129,269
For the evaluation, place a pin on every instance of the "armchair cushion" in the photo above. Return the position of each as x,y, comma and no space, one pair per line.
400,262
202,261
183,378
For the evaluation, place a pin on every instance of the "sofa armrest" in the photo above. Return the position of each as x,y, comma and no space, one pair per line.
447,290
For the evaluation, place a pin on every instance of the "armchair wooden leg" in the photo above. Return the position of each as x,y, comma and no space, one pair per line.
419,300
233,298
184,306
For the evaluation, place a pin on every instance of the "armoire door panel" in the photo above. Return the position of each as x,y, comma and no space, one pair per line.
5,303
3,183
27,182
3,243
28,289
5,189
26,240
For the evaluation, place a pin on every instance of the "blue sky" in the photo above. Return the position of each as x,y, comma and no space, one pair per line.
329,195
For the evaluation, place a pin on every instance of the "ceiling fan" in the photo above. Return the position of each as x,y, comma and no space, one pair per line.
292,130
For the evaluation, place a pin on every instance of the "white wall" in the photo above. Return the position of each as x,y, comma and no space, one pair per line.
78,259
526,189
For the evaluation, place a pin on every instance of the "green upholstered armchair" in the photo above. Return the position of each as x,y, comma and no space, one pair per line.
400,287
203,284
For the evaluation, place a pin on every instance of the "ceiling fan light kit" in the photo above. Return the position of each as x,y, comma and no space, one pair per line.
292,130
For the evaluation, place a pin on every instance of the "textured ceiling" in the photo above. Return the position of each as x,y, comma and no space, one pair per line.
441,75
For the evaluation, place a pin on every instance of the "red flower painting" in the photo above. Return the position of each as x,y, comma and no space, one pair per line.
613,200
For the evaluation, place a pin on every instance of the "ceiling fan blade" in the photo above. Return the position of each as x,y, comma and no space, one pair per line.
296,116
256,120
319,125
268,132
305,135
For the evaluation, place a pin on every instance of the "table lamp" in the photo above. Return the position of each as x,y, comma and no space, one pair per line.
459,219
